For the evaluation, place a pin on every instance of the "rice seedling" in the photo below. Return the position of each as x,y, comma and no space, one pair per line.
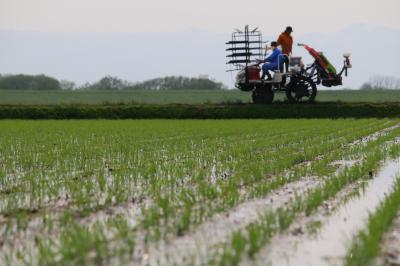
366,246
283,217
70,180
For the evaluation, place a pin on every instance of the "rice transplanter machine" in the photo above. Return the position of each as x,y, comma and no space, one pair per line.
246,49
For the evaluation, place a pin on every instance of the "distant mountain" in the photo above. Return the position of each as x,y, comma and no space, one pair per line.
85,57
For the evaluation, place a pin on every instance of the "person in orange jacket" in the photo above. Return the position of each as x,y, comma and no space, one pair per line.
285,40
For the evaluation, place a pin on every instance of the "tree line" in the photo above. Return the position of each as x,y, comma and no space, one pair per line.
28,82
43,82
382,83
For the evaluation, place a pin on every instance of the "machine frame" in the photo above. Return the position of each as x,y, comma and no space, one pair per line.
299,82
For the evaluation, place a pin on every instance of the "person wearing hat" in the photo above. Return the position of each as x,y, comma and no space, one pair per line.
285,40
272,62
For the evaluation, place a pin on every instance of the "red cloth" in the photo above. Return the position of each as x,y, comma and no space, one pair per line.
315,54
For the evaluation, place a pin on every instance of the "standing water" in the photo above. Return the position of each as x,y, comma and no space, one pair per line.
334,239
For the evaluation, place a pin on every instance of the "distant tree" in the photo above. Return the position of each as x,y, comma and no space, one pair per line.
28,82
85,86
67,85
366,86
178,83
108,83
382,83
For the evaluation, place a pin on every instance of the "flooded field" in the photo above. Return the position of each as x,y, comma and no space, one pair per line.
215,192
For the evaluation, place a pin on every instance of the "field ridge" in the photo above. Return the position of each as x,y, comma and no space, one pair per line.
203,111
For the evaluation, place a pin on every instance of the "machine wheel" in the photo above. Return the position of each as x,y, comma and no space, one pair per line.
263,94
301,89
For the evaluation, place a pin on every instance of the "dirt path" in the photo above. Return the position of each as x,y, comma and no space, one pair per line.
330,244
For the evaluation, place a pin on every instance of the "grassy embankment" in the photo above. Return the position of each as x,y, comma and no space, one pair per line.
190,104
176,97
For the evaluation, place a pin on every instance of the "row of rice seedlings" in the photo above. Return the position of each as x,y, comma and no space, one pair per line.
206,199
63,171
78,185
117,189
86,193
366,245
249,241
74,186
48,253
327,153
332,187
258,234
166,209
79,244
81,195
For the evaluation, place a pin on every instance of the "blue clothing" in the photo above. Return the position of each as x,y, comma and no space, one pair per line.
274,60
269,66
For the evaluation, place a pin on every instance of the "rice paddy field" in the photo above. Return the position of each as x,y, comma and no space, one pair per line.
31,97
200,192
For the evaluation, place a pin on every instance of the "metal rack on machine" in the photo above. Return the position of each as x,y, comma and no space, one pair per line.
244,48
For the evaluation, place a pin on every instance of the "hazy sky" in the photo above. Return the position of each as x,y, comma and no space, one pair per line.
36,35
178,15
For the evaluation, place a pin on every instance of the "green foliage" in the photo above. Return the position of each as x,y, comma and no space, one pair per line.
278,111
28,82
159,84
107,83
178,83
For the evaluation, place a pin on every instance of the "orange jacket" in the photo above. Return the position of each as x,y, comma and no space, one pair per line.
286,41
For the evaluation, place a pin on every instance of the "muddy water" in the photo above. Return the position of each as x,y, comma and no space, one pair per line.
219,227
334,238
390,245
